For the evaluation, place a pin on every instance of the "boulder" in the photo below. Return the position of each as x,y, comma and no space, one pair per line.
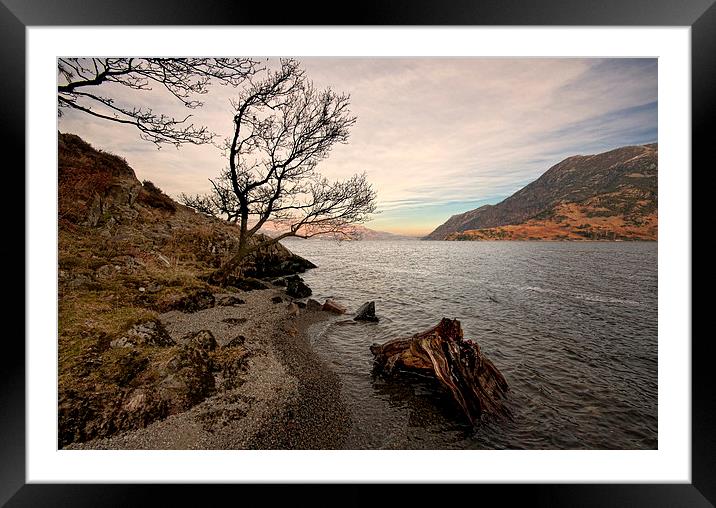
146,333
331,306
456,363
276,299
273,260
186,378
366,312
296,288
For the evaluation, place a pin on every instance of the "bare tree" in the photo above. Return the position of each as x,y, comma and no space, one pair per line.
184,78
282,128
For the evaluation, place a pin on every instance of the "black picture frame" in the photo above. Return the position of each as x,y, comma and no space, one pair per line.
16,15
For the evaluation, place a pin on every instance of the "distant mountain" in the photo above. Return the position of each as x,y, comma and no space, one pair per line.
354,232
608,196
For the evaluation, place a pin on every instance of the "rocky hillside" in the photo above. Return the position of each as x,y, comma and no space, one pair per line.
126,254
608,196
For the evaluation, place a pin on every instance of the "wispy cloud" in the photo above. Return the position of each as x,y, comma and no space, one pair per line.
435,136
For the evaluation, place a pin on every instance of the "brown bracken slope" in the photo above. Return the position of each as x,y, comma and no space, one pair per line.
608,196
126,253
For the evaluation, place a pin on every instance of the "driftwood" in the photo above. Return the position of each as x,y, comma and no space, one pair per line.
457,363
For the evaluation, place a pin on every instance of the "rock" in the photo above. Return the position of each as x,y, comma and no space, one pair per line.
296,288
276,299
232,369
128,264
114,203
202,339
143,406
230,300
153,287
346,322
245,283
331,306
105,272
293,309
312,304
273,260
186,378
81,281
366,312
196,300
280,282
457,363
124,368
146,333
237,341
301,305
142,289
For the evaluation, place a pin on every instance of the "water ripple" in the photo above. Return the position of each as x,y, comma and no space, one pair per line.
572,326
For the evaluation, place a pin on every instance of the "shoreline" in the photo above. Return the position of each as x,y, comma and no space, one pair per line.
288,399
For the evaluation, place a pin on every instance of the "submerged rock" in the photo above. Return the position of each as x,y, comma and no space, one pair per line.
457,363
331,306
366,312
312,304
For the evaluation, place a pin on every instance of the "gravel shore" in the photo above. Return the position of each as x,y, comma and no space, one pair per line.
289,399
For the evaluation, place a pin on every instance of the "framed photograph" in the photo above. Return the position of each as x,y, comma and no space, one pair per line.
423,248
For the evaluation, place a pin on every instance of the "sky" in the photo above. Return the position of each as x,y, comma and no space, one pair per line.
435,136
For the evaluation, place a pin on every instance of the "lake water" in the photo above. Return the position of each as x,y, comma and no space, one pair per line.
572,326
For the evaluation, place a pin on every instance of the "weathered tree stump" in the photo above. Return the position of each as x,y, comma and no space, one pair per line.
457,363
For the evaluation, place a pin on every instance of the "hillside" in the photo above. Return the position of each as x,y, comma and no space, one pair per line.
132,277
608,196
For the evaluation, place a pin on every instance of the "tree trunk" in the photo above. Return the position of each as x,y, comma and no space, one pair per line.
220,276
457,363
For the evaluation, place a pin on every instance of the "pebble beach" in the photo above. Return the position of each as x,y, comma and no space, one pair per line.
289,398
